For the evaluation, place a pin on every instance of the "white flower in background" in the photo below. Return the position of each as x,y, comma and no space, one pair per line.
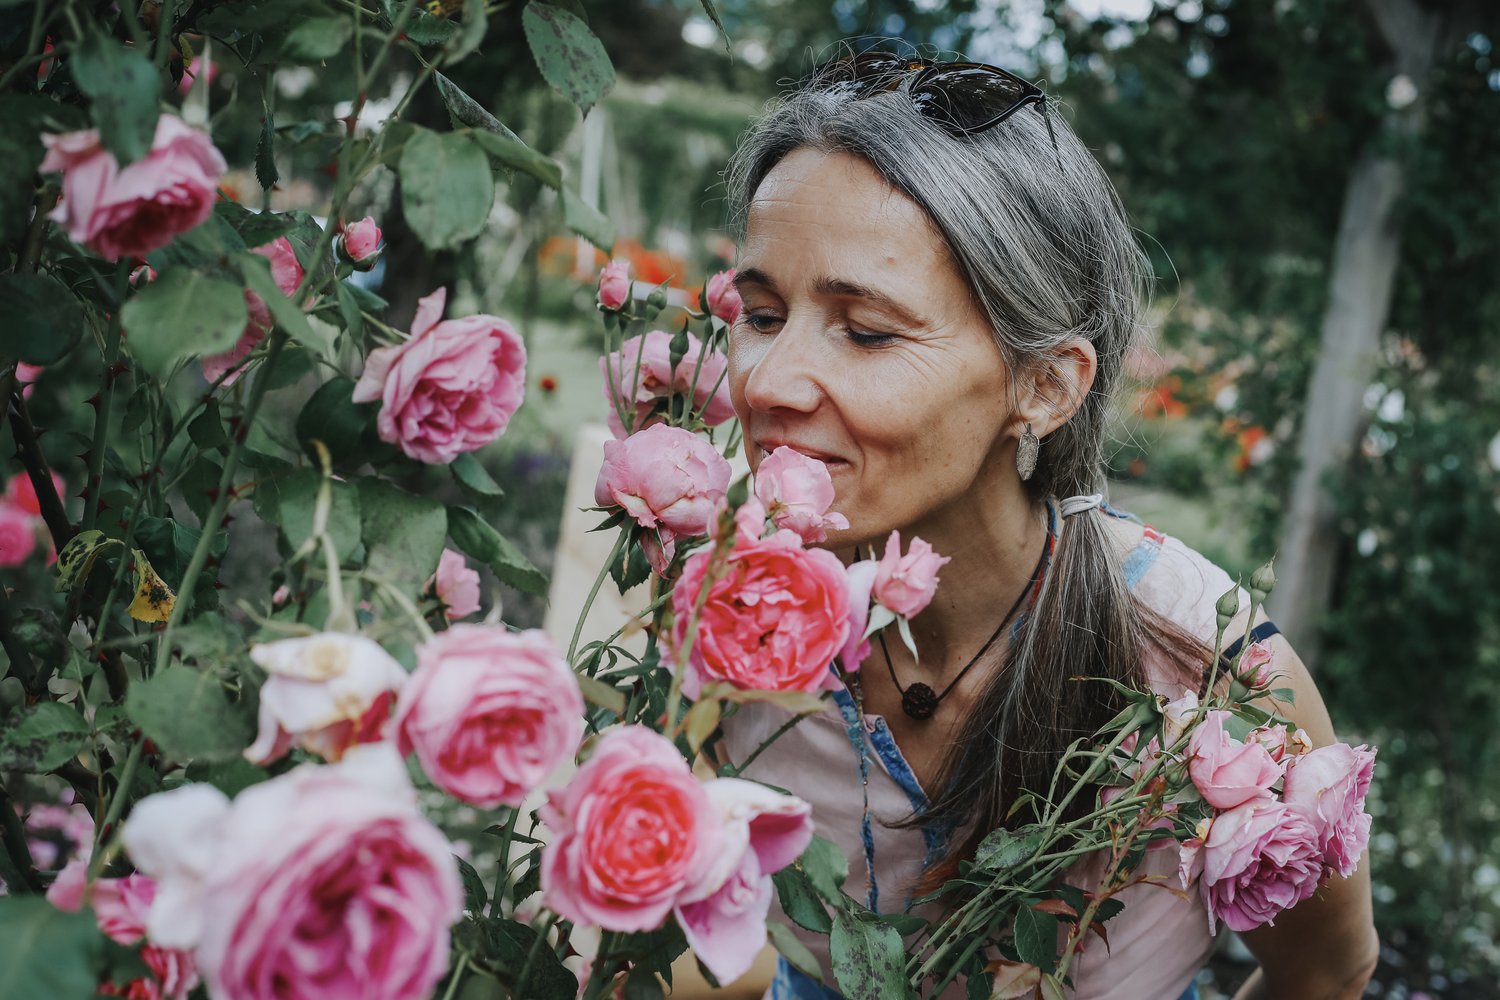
1400,92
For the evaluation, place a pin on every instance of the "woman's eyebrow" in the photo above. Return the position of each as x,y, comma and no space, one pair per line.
838,287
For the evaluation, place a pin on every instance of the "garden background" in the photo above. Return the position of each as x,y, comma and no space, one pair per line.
1318,183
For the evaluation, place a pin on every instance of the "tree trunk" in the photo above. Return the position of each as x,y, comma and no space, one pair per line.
1365,255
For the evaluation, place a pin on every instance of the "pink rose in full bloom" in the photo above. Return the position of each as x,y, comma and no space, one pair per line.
286,271
451,388
1328,786
773,621
614,284
668,479
326,693
797,492
722,298
322,883
489,713
861,580
905,584
764,832
639,376
633,834
360,243
1259,859
132,211
17,534
456,585
1226,771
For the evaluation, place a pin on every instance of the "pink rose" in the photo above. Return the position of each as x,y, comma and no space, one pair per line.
666,478
614,284
1226,771
797,492
633,833
17,534
1260,858
639,377
143,275
861,580
132,211
360,243
322,883
21,492
722,297
773,621
326,693
456,585
27,375
1177,717
1275,739
451,388
199,68
489,713
1255,666
905,584
120,907
1328,786
57,832
286,271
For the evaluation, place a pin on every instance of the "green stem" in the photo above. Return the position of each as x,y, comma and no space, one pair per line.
502,877
116,806
785,728
216,513
458,975
535,950
13,838
588,604
164,32
95,482
599,979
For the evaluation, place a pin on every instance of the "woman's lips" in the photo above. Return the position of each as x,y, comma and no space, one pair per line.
832,461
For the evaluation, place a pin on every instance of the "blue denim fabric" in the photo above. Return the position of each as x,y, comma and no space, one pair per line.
790,984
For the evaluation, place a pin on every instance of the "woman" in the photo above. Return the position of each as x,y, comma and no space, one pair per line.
937,279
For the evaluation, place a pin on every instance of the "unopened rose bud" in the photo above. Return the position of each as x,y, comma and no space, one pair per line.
722,297
657,299
142,275
1262,582
360,243
1228,606
614,284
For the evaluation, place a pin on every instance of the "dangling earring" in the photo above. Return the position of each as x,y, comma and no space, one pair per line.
1026,450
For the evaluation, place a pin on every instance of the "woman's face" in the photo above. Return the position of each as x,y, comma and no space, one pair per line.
860,345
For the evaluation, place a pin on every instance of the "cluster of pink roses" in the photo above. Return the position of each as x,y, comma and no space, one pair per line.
21,520
451,388
639,380
636,838
1264,851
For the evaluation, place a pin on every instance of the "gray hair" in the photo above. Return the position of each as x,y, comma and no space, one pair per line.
1039,234
1037,231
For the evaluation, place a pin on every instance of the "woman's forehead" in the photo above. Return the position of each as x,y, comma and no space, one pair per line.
819,215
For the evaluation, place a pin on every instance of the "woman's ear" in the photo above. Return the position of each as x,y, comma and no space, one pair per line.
1053,391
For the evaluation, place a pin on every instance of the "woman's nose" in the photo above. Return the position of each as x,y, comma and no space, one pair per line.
786,374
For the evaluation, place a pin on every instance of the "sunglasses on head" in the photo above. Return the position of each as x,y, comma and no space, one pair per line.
963,97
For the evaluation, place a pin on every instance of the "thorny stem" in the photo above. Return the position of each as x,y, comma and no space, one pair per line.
94,483
588,604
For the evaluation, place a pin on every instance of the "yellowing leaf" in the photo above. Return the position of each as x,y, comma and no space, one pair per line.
702,719
153,598
77,557
1013,979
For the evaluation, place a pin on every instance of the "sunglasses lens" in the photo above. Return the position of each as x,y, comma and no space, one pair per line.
966,98
867,71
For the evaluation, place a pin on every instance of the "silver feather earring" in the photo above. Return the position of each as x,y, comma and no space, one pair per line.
1026,452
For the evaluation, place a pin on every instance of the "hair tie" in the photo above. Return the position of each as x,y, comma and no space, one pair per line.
1079,504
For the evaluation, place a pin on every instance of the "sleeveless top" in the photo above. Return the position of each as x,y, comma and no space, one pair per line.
1156,945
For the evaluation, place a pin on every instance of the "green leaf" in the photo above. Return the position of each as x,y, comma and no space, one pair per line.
349,309
123,87
793,950
472,475
473,534
425,29
571,59
470,33
632,570
587,221
475,896
827,867
316,337
297,498
1285,695
42,318
230,776
207,429
800,901
516,155
22,117
869,960
606,696
446,188
318,38
265,154
181,313
642,984
464,110
713,15
77,557
45,736
189,716
1036,938
1051,988
332,416
1004,849
403,534
45,952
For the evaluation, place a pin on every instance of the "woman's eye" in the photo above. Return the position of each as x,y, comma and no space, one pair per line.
868,338
762,322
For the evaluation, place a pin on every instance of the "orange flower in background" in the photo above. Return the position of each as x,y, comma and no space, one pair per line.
1254,448
1160,400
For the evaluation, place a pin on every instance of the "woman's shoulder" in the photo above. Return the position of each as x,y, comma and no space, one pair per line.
1175,580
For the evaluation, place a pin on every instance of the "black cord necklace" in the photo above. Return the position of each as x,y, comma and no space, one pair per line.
919,701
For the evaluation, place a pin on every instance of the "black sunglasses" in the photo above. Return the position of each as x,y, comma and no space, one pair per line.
962,97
